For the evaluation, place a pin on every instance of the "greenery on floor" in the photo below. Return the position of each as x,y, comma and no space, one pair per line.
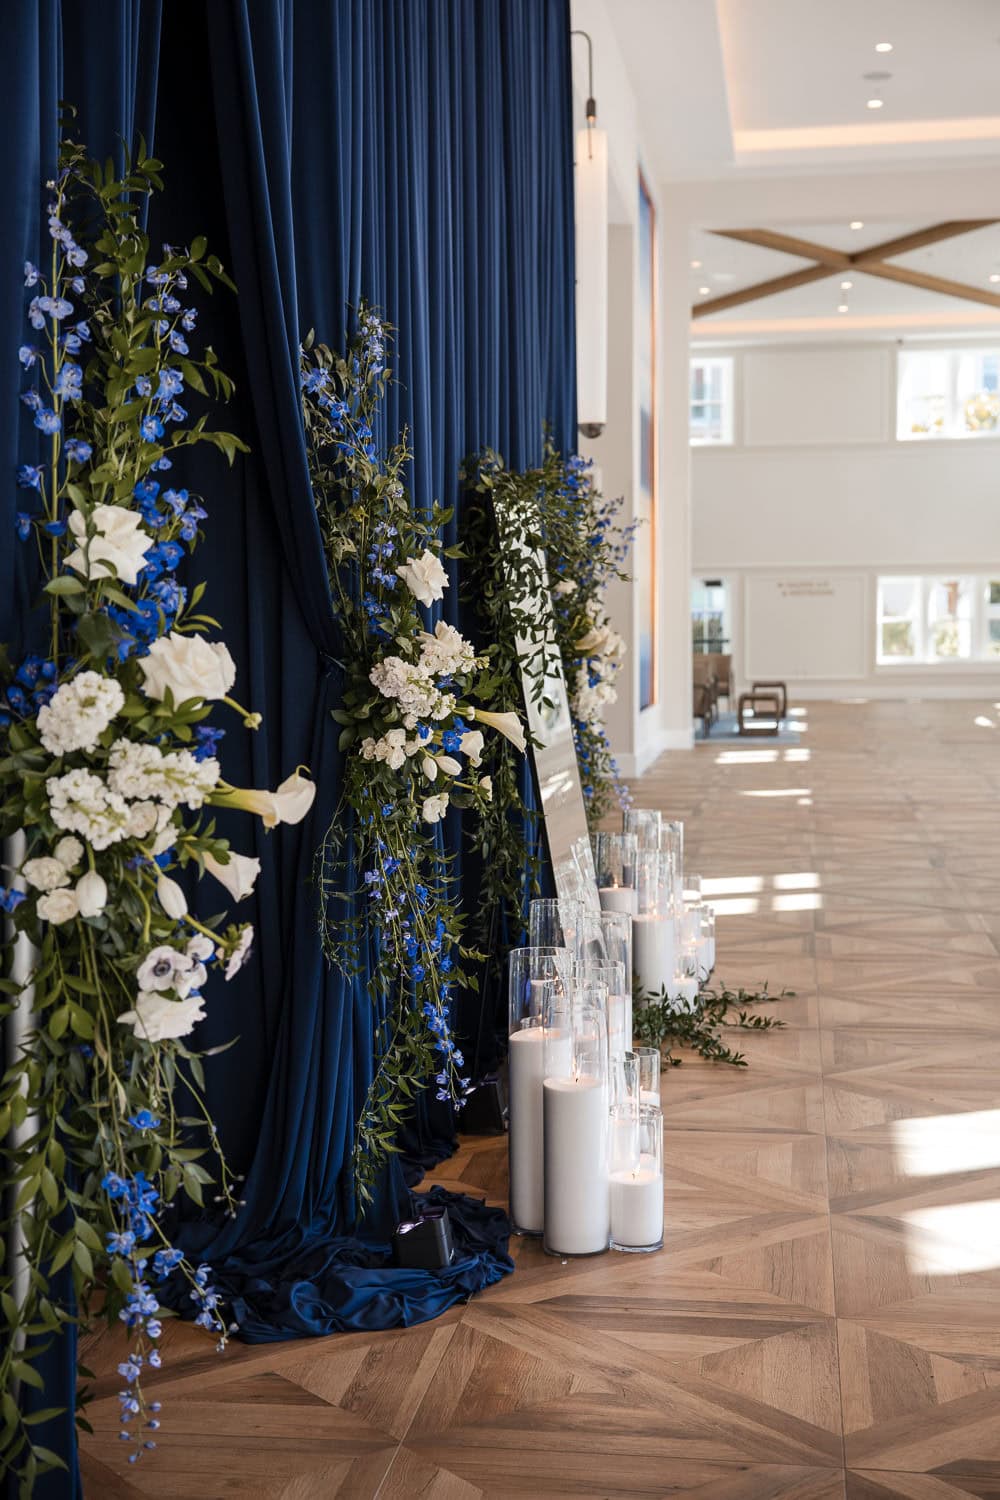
659,1024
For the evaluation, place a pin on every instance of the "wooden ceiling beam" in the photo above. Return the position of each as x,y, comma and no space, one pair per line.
916,241
933,284
761,289
769,239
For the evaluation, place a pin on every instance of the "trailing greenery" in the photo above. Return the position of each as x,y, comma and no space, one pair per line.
109,768
658,1022
412,706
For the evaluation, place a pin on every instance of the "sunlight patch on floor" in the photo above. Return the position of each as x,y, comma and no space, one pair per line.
785,791
930,1146
953,1239
798,901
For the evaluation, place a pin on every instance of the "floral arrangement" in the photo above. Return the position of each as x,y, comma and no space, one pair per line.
109,773
413,730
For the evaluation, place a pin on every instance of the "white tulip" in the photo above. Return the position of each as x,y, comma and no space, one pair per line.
171,897
91,894
449,765
238,876
424,577
508,724
429,767
189,666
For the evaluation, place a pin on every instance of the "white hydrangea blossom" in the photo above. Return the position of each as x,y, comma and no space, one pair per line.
79,802
446,651
395,748
413,687
79,713
144,773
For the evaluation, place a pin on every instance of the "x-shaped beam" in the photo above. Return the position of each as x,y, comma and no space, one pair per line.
828,262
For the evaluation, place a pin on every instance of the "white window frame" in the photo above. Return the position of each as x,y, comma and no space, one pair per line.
954,419
979,624
727,405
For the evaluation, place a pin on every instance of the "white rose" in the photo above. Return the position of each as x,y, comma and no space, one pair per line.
91,894
171,897
289,804
594,642
157,1018
116,550
473,744
189,666
424,577
238,876
45,874
434,808
68,852
508,724
57,906
486,786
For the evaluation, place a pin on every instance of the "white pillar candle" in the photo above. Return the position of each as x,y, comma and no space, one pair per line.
577,1207
619,1024
619,898
684,992
704,960
525,1127
637,1207
710,946
653,951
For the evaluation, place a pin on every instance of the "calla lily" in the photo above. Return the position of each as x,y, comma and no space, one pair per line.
238,876
508,724
289,804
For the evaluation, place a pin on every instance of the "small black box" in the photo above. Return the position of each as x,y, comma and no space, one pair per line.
484,1110
424,1243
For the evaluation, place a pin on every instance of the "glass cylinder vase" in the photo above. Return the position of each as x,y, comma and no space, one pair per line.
557,923
614,862
576,1106
537,978
653,933
636,1179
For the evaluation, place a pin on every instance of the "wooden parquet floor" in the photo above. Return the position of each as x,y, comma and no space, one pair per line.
824,1320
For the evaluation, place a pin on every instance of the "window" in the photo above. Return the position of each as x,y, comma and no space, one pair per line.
711,401
948,393
935,621
708,615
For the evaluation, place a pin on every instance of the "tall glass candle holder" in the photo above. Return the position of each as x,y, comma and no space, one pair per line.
653,935
636,1179
648,1065
692,889
557,923
618,1001
616,936
576,1104
538,982
684,990
708,937
625,1080
644,823
614,862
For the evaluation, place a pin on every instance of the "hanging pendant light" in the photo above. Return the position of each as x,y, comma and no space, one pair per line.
591,199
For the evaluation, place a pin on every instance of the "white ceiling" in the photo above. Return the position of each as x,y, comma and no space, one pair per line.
779,83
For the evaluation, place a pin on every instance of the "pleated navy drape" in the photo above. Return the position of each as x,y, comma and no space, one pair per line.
417,154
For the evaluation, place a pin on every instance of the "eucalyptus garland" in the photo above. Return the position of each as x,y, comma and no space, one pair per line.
413,732
110,767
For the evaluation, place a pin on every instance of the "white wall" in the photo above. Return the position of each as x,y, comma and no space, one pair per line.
815,499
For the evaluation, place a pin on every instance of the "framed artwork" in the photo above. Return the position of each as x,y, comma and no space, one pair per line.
645,580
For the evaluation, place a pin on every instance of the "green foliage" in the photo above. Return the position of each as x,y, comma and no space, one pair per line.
659,1024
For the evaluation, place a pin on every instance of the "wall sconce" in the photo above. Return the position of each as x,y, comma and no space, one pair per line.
591,200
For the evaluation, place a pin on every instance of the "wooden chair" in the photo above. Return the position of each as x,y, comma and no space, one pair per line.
722,667
704,681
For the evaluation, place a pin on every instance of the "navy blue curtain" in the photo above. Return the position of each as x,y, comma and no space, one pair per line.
417,154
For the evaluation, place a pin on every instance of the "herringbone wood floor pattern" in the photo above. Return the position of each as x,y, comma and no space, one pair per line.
824,1320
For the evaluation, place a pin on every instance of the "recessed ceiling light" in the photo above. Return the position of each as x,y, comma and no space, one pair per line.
845,286
857,224
875,103
696,265
883,46
703,291
843,307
